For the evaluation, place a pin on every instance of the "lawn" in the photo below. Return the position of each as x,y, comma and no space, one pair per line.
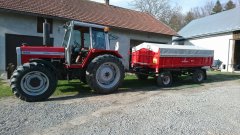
72,87
75,87
4,89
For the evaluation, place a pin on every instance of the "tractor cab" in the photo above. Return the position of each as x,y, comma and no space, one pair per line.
80,38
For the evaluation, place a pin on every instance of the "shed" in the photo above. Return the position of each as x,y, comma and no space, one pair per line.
219,32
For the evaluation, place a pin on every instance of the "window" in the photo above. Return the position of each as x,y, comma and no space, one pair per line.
98,37
87,40
80,37
76,38
40,21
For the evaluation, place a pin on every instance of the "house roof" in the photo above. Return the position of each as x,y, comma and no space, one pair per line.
227,21
91,12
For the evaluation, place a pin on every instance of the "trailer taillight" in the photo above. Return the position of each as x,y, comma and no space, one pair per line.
155,60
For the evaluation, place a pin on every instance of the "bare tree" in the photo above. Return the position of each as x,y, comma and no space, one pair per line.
189,17
172,15
197,12
161,9
207,9
176,21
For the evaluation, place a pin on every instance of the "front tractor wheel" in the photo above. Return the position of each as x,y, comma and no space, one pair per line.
105,74
33,82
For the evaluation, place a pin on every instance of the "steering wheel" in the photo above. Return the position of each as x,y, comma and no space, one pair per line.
76,47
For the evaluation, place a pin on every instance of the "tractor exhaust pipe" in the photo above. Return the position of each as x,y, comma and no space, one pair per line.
46,33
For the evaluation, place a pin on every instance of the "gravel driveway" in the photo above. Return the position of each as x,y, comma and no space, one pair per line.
211,108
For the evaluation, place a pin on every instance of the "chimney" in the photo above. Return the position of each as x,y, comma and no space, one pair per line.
107,2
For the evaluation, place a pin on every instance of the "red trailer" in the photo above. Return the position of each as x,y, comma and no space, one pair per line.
166,62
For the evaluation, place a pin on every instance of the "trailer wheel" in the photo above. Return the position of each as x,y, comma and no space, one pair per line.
33,82
105,74
164,79
142,76
198,76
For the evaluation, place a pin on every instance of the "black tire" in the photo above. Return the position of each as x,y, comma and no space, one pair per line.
142,76
198,76
33,82
164,79
95,75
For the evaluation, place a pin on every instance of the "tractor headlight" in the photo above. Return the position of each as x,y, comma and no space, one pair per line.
19,57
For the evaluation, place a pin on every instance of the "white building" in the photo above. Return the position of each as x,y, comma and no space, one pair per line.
21,22
219,32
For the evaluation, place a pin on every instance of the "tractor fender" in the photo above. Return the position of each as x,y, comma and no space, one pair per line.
95,53
102,52
47,64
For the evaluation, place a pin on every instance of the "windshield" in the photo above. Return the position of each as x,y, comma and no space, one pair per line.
66,37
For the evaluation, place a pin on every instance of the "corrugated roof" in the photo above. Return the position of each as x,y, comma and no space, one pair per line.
92,12
223,22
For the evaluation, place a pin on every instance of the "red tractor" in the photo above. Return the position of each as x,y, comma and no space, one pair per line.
85,54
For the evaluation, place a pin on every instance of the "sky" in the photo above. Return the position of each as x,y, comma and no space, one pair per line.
185,4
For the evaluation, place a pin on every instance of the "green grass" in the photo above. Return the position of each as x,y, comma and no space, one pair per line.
131,83
4,89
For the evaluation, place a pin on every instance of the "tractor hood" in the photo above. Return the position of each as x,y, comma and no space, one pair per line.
27,53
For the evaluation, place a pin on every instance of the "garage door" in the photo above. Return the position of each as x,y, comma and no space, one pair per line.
13,41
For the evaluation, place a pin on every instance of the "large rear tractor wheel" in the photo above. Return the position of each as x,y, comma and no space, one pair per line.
105,74
33,82
142,76
164,79
198,76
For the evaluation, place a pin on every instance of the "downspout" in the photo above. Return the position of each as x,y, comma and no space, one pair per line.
229,52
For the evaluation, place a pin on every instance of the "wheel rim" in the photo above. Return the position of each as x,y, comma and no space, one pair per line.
34,83
199,77
108,75
166,80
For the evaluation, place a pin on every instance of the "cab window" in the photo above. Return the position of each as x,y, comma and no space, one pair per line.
76,38
81,37
87,42
98,39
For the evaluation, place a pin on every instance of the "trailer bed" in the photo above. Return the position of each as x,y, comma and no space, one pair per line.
159,56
